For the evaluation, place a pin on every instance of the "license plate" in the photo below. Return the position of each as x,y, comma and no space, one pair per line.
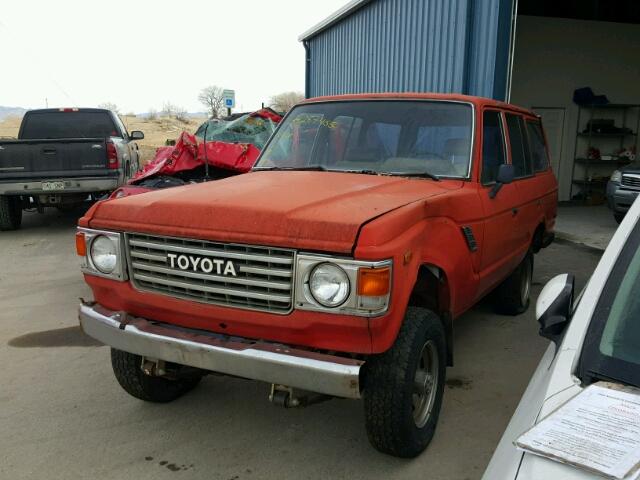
52,185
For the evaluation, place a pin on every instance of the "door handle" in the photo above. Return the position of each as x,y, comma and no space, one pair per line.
514,211
49,151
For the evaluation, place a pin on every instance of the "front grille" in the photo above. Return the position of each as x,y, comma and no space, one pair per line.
631,181
264,278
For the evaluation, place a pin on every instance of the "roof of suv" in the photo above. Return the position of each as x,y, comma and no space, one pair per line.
478,101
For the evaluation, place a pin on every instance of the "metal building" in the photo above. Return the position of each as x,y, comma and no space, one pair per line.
412,45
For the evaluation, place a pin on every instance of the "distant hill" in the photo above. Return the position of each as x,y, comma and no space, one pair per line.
189,114
11,112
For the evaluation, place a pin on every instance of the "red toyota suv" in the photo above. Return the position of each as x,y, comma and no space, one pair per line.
337,266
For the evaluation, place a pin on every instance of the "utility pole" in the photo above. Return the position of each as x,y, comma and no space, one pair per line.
46,101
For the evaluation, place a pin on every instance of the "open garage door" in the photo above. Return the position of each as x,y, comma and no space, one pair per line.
558,47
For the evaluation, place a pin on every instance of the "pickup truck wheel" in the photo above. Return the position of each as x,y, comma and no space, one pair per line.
512,296
10,213
127,368
403,387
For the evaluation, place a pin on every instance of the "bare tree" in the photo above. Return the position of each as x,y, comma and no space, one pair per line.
181,114
169,109
172,110
109,106
211,98
283,102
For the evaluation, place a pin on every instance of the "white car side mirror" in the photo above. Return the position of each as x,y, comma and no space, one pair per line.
553,308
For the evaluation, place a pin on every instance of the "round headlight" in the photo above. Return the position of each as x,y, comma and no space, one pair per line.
329,285
104,254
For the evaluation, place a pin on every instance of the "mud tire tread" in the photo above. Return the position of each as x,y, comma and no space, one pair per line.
388,386
10,213
128,372
506,297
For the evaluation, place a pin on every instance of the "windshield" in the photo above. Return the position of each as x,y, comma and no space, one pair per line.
245,129
612,345
380,136
68,125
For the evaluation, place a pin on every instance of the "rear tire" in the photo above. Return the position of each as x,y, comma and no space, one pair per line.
127,368
10,213
513,295
403,387
619,217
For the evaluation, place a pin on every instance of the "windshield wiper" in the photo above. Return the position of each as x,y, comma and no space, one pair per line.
312,168
393,174
320,168
366,172
418,174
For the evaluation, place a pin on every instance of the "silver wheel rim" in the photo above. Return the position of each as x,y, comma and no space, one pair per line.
425,384
525,288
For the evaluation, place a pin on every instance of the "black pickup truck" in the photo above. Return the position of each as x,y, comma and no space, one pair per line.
61,158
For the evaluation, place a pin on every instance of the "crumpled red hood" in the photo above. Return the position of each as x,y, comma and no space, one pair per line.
310,210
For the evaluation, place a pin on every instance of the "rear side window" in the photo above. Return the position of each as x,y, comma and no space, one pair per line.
492,146
519,148
537,146
68,125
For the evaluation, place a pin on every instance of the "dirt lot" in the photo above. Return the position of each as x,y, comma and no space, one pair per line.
156,131
62,414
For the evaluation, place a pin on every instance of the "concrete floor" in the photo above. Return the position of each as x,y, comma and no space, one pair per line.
590,226
62,414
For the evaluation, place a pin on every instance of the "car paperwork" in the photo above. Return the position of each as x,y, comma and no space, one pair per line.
598,430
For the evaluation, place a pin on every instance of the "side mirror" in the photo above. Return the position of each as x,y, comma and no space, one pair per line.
506,173
553,308
136,135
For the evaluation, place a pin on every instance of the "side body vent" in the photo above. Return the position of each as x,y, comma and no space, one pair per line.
471,240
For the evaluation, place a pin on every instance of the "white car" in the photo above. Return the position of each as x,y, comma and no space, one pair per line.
598,338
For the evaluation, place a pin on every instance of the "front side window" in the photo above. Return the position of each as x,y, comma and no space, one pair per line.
492,146
612,344
537,146
394,137
519,148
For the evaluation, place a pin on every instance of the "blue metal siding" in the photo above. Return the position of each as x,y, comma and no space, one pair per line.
482,55
409,45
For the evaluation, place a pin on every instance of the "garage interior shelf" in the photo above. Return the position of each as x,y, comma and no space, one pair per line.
602,130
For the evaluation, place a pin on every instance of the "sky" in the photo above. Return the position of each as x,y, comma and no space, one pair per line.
140,54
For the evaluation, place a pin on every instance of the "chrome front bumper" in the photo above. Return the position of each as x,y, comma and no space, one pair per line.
256,360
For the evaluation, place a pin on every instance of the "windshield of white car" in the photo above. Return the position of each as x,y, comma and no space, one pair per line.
612,345
429,139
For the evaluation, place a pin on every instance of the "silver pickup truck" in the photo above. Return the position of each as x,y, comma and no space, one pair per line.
61,157
622,189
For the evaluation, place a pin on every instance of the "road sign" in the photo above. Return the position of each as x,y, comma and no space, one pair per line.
229,97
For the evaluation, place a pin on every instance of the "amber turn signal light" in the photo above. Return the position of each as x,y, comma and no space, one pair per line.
374,282
81,244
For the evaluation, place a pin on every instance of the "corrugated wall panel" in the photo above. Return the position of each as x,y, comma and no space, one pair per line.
448,46
393,45
482,48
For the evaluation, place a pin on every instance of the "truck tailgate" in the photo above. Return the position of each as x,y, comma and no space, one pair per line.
59,158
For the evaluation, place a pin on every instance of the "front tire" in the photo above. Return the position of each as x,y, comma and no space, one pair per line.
127,368
10,213
618,217
513,295
404,386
